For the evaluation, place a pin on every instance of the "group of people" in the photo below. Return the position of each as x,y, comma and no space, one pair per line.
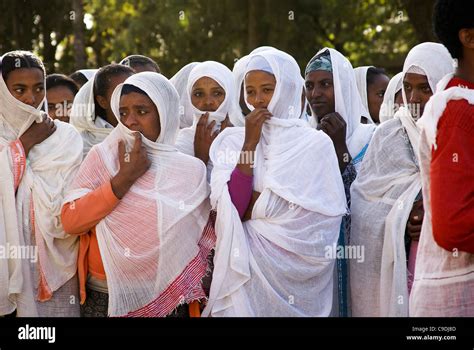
251,192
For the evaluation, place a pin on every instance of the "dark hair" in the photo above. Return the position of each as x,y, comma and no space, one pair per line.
102,82
127,89
55,80
20,59
79,78
449,17
134,61
372,73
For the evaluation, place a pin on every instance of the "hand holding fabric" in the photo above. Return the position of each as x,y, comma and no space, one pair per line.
335,127
132,166
37,133
203,137
253,126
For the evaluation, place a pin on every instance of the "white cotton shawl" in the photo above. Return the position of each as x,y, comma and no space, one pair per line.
275,263
152,244
361,81
387,109
49,170
83,118
382,197
180,82
440,275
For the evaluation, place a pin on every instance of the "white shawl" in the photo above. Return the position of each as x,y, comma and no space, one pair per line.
387,109
92,129
180,82
275,264
49,170
361,81
155,264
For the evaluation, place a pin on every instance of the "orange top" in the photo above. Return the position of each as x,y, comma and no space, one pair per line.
80,217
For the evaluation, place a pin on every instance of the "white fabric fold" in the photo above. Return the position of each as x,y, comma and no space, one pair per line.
180,82
361,81
93,129
387,109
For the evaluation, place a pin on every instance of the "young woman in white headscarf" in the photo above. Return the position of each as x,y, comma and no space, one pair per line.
140,208
272,260
337,109
211,98
91,112
39,158
387,210
372,83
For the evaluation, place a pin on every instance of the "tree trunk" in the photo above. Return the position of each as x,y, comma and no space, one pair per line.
253,35
80,61
420,13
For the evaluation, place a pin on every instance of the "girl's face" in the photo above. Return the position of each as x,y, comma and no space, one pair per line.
27,85
319,88
375,93
418,92
207,95
259,86
60,99
139,113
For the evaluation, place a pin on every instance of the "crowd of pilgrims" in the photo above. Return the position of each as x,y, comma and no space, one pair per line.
256,191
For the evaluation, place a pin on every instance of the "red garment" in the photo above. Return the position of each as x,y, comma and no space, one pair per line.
452,175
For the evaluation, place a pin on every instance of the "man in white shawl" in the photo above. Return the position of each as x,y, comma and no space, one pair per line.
91,113
387,207
337,109
150,238
444,275
274,264
39,158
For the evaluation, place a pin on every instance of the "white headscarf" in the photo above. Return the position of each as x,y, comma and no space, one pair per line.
435,61
88,73
93,129
361,81
180,82
49,170
151,265
348,103
387,109
247,278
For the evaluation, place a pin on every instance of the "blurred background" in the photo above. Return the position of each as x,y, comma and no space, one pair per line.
74,34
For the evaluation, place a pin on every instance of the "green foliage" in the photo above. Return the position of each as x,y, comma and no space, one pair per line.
175,32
